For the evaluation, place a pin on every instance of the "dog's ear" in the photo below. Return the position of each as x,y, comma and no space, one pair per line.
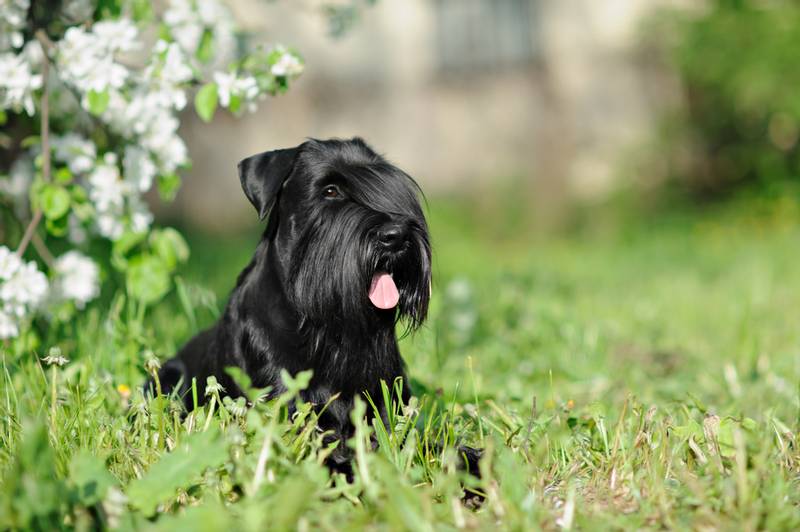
263,174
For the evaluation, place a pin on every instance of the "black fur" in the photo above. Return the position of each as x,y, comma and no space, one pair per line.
302,302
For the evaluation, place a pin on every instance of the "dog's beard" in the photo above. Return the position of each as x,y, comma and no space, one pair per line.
335,262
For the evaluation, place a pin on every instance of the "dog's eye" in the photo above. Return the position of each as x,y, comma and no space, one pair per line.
331,192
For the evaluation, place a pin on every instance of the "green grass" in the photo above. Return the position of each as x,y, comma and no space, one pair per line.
624,379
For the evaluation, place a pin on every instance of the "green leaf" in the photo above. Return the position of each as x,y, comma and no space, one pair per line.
210,517
83,210
205,50
178,469
295,495
108,9
54,201
147,278
78,194
32,493
63,176
164,33
725,437
58,226
236,103
186,303
98,101
32,140
122,246
142,10
241,378
691,428
205,101
168,186
298,383
170,246
697,402
90,478
127,242
749,424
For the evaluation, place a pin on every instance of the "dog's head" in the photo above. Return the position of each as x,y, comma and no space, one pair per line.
348,230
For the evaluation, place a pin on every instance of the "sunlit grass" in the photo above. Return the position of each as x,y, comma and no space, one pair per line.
644,378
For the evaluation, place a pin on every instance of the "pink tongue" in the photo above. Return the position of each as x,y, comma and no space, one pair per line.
383,292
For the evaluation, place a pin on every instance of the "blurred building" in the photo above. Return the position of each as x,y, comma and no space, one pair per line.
546,95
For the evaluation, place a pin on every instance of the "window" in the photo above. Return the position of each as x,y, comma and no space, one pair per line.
484,34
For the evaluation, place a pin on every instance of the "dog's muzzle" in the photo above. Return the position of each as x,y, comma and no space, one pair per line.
393,238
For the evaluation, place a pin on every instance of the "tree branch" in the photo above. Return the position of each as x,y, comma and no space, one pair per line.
41,249
26,238
46,44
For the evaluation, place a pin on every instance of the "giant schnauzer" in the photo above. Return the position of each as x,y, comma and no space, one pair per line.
344,256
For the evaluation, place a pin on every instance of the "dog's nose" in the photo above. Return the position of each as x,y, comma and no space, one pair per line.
392,236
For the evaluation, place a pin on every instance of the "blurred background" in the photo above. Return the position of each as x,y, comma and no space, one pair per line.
564,102
611,186
558,100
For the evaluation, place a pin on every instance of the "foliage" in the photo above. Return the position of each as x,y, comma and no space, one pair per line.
736,60
645,380
90,96
342,16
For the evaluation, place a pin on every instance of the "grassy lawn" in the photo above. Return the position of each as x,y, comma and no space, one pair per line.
643,377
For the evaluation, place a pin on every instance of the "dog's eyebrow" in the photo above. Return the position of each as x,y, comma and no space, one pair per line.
382,187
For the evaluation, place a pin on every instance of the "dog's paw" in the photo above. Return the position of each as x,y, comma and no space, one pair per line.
470,459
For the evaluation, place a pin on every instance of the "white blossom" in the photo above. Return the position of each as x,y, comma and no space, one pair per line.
109,224
287,65
107,192
141,217
13,14
106,189
26,287
172,154
184,23
126,115
146,116
117,35
213,13
77,152
166,73
22,289
76,278
188,20
176,68
86,58
77,54
8,326
138,168
161,138
9,263
229,86
139,123
17,83
116,200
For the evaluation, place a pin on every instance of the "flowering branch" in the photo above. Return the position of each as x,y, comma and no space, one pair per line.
109,133
45,43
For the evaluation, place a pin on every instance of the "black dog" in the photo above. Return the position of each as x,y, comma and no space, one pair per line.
345,255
